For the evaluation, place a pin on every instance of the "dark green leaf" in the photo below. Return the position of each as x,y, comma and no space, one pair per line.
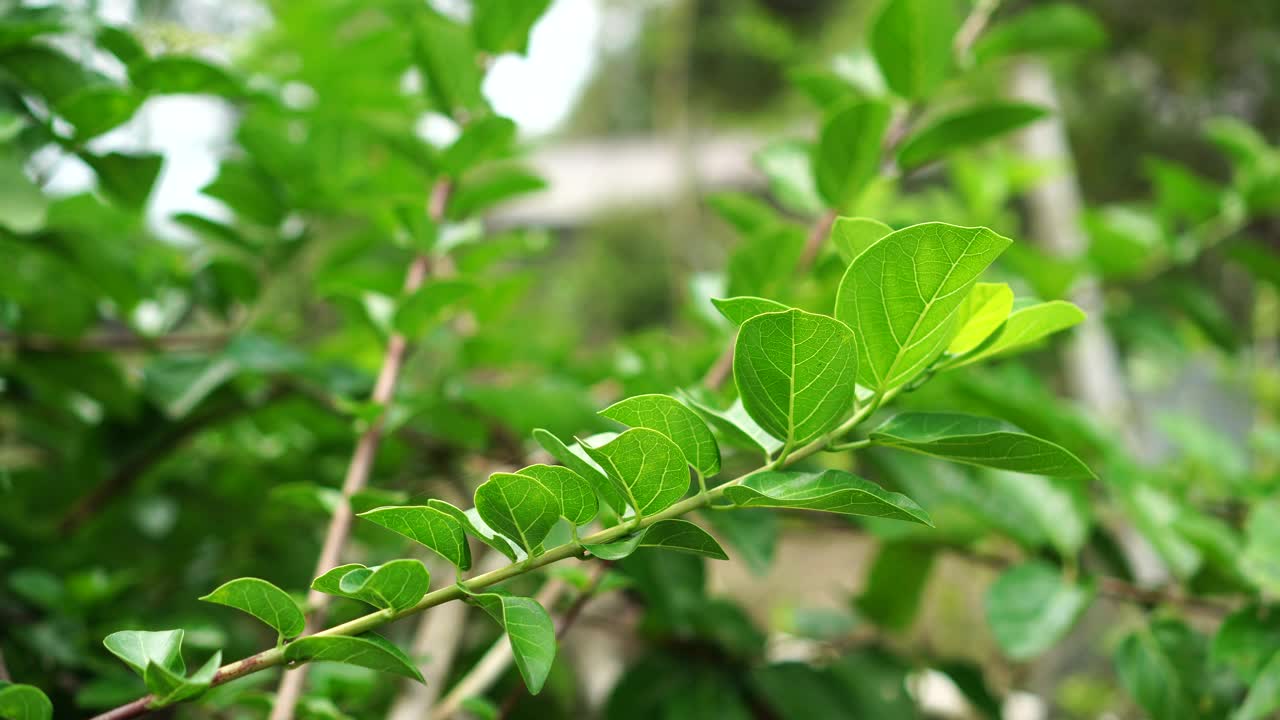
1030,607
834,491
673,419
367,651
911,41
964,128
896,584
847,155
428,525
795,371
519,507
1246,640
530,631
978,441
671,534
1160,668
262,600
95,109
902,293
648,467
126,178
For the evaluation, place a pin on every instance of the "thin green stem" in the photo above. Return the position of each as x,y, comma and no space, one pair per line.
852,445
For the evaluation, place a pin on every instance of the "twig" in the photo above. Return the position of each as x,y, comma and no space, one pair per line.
357,477
972,27
4,670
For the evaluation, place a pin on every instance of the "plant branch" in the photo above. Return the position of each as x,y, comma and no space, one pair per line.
361,466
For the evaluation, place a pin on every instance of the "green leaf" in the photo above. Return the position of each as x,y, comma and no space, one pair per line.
121,43
181,75
672,534
262,600
519,507
964,128
46,71
834,491
489,186
95,109
367,651
573,494
1158,667
127,178
503,25
983,311
417,312
738,310
1264,694
23,207
853,235
170,687
139,648
487,138
396,585
649,468
902,293
795,371
472,523
1042,28
249,191
530,631
788,165
895,584
24,702
737,427
978,441
911,41
428,525
1030,607
1246,640
600,482
1026,327
673,419
847,155
1261,560
447,56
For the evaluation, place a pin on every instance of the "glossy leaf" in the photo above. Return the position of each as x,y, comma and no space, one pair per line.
519,507
737,427
472,523
911,41
24,702
573,494
964,128
795,371
367,651
140,648
978,441
738,310
853,235
650,469
1025,327
902,293
427,525
834,491
848,151
1031,607
396,585
530,632
262,600
169,687
671,534
673,419
983,311
604,487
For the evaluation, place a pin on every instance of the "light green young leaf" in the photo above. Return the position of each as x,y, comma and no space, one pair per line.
1263,699
418,311
603,486
673,419
737,427
1246,640
503,25
848,151
170,687
911,41
1030,607
672,534
738,310
519,507
139,648
395,585
367,651
978,441
983,311
788,165
964,128
1024,328
649,468
530,631
834,491
472,523
24,702
902,293
853,235
574,497
795,371
428,525
264,601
